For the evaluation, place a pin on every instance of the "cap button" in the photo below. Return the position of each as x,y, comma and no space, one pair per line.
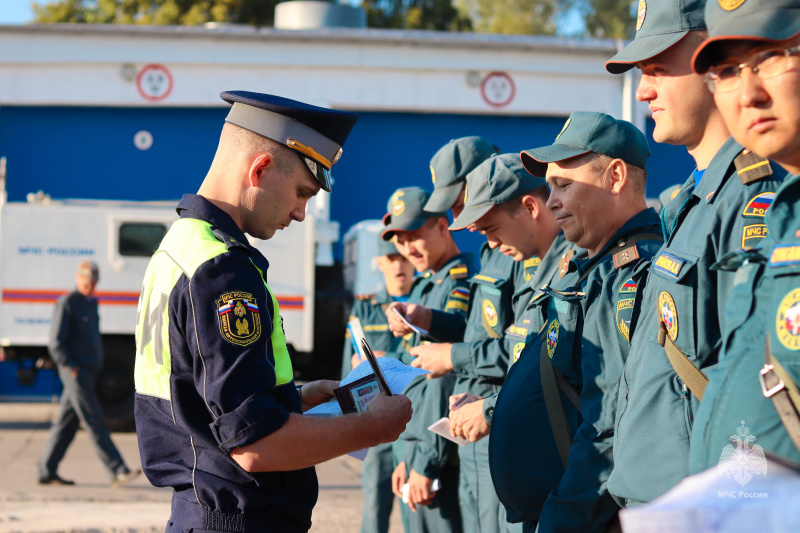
621,243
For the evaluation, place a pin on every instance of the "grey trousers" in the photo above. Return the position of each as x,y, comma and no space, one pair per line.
79,406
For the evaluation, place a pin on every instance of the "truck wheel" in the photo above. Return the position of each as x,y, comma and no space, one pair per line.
115,388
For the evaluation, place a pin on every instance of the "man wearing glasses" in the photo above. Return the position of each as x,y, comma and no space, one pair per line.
752,66
678,334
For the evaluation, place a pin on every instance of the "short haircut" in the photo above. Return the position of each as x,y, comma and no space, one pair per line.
541,193
599,162
242,140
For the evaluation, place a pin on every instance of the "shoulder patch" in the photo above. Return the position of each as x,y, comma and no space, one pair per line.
563,263
364,296
625,253
460,293
458,271
785,255
751,167
529,267
625,307
752,234
758,205
483,277
669,264
239,318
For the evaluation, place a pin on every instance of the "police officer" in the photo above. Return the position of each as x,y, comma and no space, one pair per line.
753,69
438,302
370,309
679,331
557,403
218,416
481,361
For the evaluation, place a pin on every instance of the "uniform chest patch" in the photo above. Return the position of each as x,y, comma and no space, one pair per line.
758,205
625,307
552,338
490,313
785,255
669,314
239,319
787,321
530,267
516,351
752,234
669,264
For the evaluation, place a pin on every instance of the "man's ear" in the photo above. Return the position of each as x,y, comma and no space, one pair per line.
531,206
617,175
258,168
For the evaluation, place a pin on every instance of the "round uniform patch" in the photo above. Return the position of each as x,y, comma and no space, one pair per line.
552,338
516,351
398,207
787,321
669,314
490,313
239,319
433,175
640,14
730,5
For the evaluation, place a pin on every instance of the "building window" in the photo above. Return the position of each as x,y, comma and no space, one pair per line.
140,239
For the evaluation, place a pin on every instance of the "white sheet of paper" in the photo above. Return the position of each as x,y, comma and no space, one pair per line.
442,428
417,329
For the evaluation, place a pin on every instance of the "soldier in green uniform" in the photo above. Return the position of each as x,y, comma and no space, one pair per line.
753,70
370,309
678,334
438,301
553,426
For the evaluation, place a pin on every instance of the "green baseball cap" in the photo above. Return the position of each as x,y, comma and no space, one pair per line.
406,211
588,131
450,166
385,247
660,24
498,179
755,20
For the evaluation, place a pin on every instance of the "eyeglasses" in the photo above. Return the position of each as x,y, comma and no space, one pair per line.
765,64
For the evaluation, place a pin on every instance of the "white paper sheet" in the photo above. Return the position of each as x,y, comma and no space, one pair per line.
442,428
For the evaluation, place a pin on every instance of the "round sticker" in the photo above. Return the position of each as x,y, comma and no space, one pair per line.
730,5
143,140
517,350
497,89
398,208
787,321
154,83
669,315
490,313
552,338
641,12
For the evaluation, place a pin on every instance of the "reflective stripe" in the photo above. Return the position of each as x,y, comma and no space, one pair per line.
283,363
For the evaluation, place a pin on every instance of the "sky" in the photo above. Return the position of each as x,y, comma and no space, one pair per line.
15,11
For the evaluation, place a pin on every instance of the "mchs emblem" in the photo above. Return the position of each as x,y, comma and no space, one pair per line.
239,319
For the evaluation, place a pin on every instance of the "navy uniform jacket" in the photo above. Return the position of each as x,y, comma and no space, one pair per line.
75,333
585,327
655,414
371,311
212,374
765,301
445,290
481,361
537,273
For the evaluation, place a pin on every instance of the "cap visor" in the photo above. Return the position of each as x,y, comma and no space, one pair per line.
535,161
443,198
320,173
470,215
642,48
411,224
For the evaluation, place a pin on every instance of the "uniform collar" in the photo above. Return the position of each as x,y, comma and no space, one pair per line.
717,172
195,206
465,257
781,219
549,261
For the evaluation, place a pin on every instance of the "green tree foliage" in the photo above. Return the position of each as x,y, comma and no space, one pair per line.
611,19
182,12
415,14
536,17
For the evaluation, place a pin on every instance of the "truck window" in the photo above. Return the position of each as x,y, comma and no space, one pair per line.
140,239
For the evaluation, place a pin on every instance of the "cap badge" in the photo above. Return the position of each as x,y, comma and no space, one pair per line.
566,125
398,207
730,5
641,12
433,175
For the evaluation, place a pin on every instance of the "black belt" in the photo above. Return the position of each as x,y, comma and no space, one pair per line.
198,516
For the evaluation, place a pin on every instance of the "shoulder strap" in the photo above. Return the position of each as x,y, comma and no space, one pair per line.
751,167
555,409
692,376
779,386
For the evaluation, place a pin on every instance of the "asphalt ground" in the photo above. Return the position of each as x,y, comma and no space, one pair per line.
92,506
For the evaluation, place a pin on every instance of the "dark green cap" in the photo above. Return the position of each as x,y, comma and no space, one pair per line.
586,132
385,247
450,166
755,20
659,25
407,211
498,179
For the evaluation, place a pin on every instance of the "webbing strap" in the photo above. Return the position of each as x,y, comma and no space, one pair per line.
555,409
691,376
779,386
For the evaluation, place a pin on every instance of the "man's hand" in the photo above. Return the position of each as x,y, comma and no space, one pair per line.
393,412
399,479
419,490
314,393
468,421
75,372
434,358
416,314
